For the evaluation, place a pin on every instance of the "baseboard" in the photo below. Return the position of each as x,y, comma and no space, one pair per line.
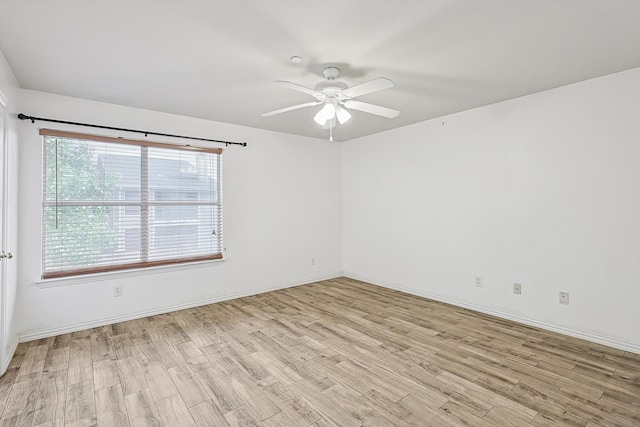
51,332
7,358
599,339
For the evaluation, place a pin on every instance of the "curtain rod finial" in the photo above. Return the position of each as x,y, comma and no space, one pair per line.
25,117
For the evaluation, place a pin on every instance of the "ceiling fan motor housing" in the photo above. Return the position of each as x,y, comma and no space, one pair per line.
331,88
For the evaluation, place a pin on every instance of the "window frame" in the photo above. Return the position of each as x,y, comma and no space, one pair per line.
148,205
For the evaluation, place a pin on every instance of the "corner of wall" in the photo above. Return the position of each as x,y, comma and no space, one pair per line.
11,350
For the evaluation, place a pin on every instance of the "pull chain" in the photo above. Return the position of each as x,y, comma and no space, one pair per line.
331,131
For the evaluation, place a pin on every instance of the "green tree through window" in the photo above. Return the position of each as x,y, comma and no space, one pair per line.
79,231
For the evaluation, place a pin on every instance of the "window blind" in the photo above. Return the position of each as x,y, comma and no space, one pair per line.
112,204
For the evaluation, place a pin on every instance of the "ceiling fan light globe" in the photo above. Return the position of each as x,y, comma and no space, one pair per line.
329,111
320,117
342,115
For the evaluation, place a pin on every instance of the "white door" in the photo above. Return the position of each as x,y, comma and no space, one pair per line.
8,234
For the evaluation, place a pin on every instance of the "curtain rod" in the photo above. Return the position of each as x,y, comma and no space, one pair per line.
33,119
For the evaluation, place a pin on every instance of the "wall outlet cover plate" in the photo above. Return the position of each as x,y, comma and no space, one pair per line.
564,298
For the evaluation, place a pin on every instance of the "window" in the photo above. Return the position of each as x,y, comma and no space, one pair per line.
112,204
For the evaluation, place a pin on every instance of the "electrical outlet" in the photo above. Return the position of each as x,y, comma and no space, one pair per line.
478,281
517,288
117,291
564,298
313,261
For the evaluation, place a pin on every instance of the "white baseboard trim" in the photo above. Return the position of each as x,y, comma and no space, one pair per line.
51,332
7,358
599,339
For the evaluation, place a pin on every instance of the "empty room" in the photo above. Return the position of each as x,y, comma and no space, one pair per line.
319,213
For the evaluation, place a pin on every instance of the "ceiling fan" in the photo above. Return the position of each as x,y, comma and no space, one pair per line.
337,97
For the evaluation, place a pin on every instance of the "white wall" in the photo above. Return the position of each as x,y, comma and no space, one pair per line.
282,207
8,295
542,190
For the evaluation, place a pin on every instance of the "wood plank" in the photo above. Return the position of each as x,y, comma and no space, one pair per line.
169,354
131,376
80,361
142,409
219,390
500,415
280,419
50,403
191,354
241,417
80,405
188,386
24,419
159,381
390,409
57,359
21,398
207,414
173,412
174,333
101,348
34,360
123,346
110,407
105,373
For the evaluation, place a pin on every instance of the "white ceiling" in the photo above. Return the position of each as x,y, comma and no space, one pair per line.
218,59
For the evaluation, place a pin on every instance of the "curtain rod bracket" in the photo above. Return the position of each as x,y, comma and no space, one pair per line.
146,133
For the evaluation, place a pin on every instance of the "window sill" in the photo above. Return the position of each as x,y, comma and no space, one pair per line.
136,272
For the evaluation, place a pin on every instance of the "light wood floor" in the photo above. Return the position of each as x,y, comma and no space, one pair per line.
338,352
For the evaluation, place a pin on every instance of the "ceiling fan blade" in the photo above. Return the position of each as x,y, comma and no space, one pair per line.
372,108
297,87
367,87
294,107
